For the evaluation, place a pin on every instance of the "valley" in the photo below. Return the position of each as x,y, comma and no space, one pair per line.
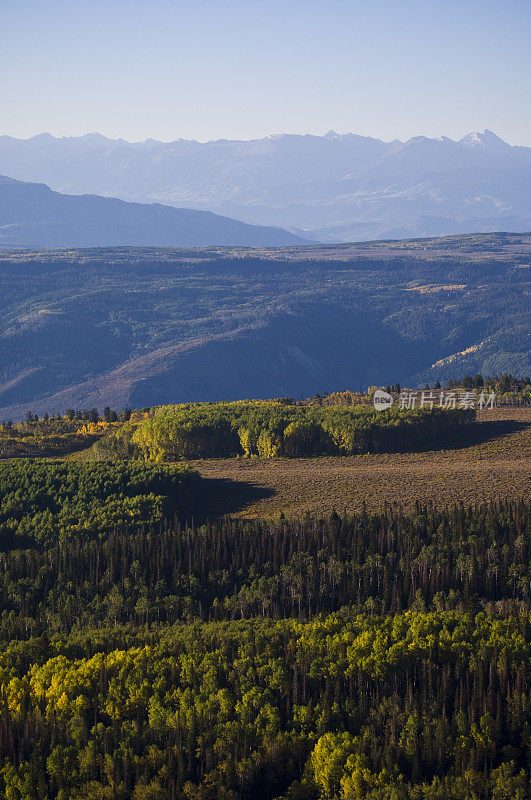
134,327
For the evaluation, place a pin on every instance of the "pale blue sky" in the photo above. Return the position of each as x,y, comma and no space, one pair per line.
210,69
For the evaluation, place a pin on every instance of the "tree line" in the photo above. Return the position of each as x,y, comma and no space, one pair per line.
58,435
274,428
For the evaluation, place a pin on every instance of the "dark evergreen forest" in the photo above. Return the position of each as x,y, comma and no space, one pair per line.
369,656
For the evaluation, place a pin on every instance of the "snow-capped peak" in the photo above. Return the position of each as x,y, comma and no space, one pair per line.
478,139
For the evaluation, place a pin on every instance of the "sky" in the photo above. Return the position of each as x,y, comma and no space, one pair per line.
210,69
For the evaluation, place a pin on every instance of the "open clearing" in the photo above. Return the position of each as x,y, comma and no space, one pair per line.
491,461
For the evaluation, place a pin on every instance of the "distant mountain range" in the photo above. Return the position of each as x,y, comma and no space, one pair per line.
32,215
333,187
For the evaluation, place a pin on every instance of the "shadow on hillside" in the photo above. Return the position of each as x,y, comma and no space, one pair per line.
221,496
486,431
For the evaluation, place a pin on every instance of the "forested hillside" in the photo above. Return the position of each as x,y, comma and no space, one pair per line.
370,657
139,327
154,648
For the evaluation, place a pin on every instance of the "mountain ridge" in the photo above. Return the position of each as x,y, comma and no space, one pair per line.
338,187
32,214
485,135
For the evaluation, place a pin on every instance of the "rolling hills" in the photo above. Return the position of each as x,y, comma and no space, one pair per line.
137,327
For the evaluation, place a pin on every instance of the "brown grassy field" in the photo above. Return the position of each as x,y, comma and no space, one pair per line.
491,461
